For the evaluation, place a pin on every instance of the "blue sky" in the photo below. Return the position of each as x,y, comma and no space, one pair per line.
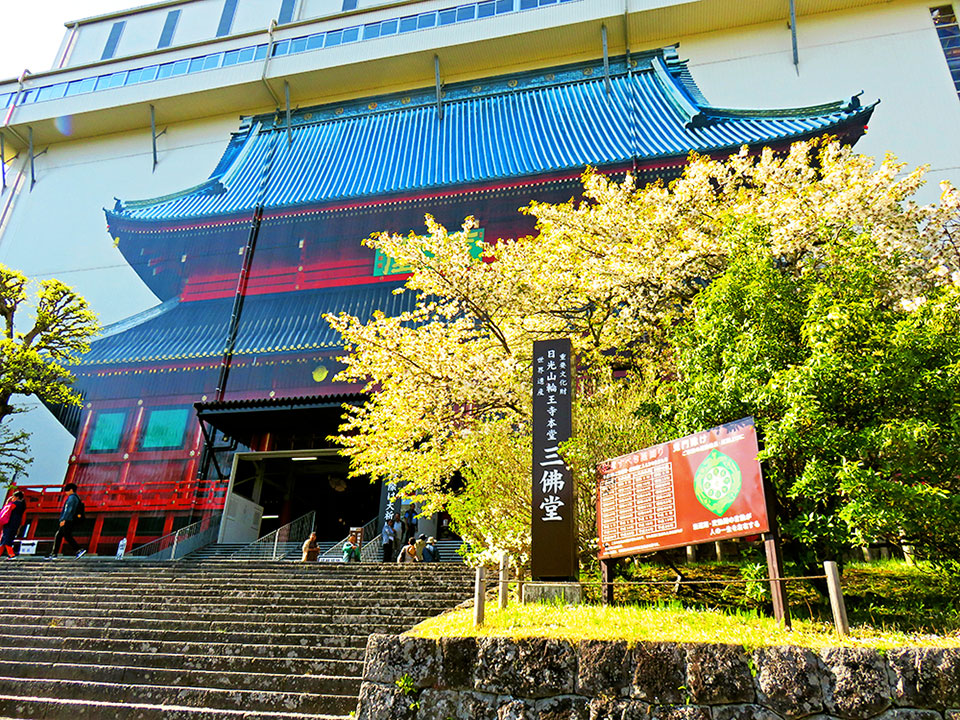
33,30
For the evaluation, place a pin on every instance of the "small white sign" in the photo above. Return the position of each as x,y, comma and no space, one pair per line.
329,559
28,547
121,549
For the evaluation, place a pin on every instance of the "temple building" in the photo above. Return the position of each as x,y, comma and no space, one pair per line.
226,241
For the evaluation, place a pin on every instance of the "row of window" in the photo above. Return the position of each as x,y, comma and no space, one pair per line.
306,43
173,19
945,20
165,430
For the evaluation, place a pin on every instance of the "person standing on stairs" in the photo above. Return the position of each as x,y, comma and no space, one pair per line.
72,511
310,550
388,536
11,517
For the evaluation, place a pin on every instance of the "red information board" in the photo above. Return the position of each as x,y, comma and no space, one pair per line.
700,488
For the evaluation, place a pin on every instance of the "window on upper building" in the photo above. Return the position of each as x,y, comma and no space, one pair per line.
226,17
169,27
110,49
165,429
107,432
349,5
945,21
286,11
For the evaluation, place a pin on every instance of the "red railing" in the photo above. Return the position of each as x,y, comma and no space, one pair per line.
114,497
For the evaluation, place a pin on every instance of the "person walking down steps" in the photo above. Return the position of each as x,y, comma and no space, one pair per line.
72,511
11,517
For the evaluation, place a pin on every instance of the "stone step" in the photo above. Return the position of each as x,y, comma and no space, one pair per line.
195,636
233,623
332,647
210,587
42,708
224,600
334,612
94,564
309,664
201,697
207,640
183,677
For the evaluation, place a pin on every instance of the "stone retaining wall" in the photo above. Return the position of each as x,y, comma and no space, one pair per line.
539,679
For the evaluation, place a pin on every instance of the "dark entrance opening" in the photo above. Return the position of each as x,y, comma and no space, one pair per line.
288,487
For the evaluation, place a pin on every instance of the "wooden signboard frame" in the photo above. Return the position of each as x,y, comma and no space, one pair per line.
697,489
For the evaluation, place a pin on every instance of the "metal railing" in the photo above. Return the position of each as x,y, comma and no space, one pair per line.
372,551
337,549
195,495
281,542
180,542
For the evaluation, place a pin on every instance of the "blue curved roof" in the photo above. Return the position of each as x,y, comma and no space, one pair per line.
277,323
506,127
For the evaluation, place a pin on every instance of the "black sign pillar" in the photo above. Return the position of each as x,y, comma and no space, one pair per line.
554,511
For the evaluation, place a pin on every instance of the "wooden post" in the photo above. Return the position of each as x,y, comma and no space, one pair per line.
504,580
837,605
606,580
479,596
771,544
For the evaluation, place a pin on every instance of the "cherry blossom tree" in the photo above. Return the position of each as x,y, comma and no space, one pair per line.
620,273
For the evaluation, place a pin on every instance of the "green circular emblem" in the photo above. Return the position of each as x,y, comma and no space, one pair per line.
717,482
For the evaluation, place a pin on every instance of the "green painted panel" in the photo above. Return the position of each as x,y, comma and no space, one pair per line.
107,431
165,429
384,265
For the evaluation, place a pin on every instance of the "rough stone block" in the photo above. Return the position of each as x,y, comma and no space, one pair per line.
789,681
563,707
910,714
719,674
950,677
857,683
602,667
744,712
925,677
390,658
614,709
458,660
680,712
379,702
659,673
477,706
529,668
512,709
439,705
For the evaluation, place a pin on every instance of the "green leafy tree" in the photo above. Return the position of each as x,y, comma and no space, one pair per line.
35,361
14,454
855,394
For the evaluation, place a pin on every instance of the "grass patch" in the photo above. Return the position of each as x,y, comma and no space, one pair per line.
662,623
889,596
889,604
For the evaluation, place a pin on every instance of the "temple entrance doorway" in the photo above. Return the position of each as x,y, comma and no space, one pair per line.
289,484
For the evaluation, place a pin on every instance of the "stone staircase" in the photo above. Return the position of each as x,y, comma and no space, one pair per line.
207,639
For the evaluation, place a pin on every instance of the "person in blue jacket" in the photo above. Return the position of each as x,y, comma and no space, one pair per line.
68,518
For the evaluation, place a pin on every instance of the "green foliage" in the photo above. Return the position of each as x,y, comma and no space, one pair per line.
757,588
492,511
609,421
35,361
14,454
855,396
